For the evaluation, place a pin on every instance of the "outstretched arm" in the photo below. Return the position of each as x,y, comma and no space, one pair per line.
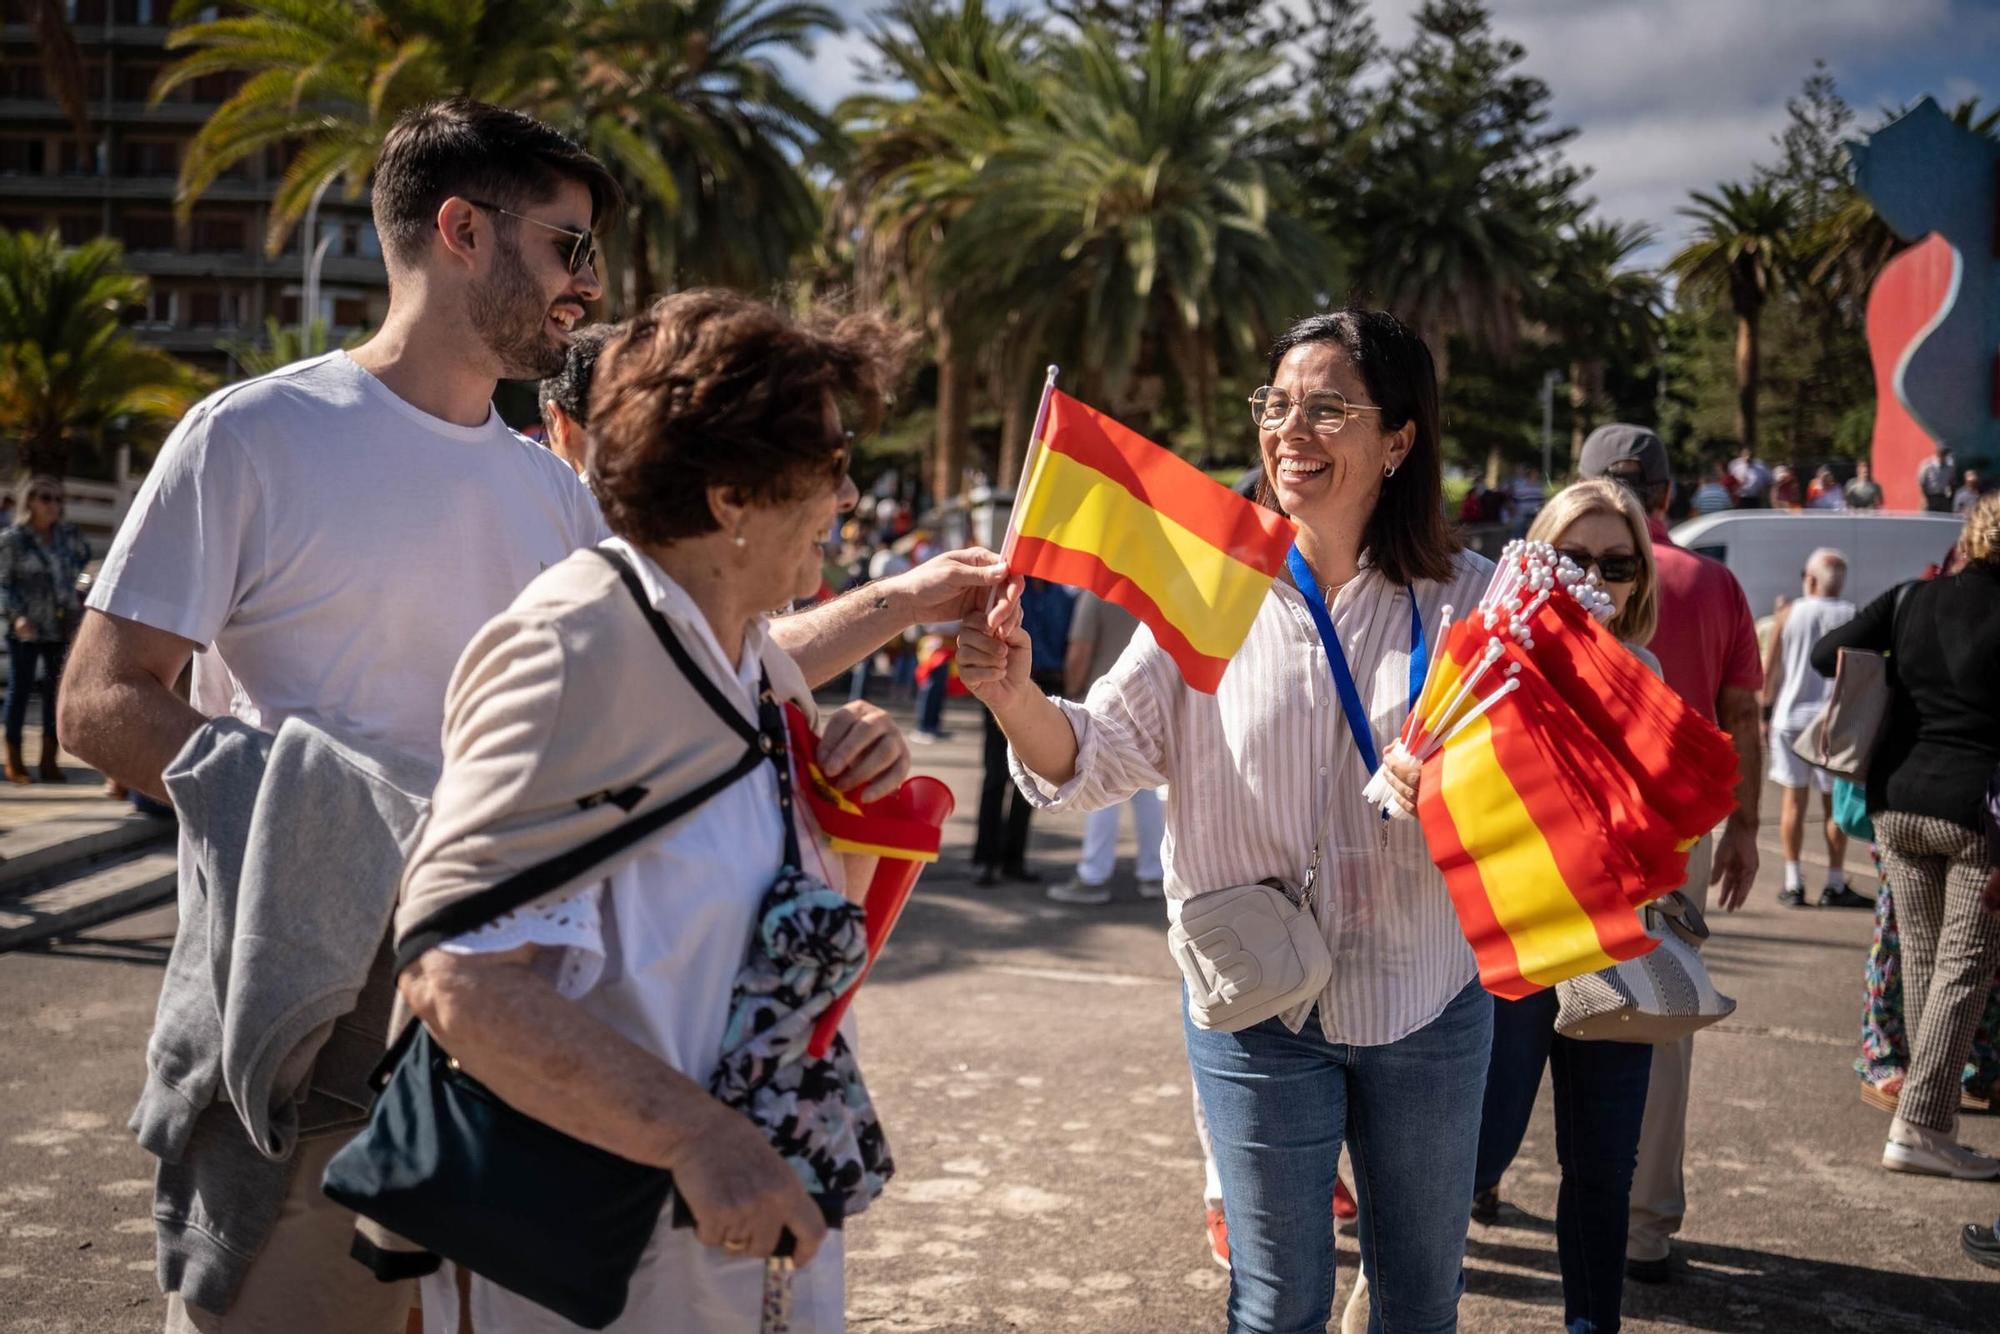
829,639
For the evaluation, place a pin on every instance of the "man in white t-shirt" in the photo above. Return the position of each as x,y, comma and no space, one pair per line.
1794,693
323,542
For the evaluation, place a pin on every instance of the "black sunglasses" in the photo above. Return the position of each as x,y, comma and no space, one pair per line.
582,251
1611,569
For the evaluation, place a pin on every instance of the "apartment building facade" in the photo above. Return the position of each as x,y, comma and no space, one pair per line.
212,282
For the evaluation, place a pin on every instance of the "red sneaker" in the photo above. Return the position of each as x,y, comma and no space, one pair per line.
1218,1237
1344,1207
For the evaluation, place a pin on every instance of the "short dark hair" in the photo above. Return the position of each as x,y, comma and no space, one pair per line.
475,151
569,388
712,388
1406,538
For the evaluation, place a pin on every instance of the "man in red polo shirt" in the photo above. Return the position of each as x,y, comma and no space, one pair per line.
1707,647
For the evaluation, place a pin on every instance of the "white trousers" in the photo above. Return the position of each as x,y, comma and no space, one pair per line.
1100,838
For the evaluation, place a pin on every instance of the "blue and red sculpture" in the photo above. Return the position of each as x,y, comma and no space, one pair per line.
1934,312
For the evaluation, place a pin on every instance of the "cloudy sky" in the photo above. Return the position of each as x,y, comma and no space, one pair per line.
1675,95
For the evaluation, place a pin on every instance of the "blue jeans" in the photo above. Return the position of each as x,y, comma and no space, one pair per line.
1279,1105
930,701
22,655
1600,1102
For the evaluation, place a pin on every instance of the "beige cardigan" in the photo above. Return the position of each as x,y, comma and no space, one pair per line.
564,718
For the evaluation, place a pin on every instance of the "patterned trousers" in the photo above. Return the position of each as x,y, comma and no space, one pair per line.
1951,945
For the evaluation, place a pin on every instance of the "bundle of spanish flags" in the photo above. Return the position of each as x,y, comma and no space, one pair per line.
1563,783
1106,509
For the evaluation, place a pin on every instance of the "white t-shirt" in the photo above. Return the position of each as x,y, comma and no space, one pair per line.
331,549
653,952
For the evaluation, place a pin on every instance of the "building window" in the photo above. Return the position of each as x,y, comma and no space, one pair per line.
214,87
20,222
74,158
162,309
371,244
21,155
217,233
23,79
350,312
135,80
147,231
149,157
76,228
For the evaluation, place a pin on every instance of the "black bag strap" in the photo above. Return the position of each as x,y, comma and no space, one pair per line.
767,742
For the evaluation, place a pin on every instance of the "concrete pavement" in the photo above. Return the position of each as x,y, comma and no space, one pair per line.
1027,1061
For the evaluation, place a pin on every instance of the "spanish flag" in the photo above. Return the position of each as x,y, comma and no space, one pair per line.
1106,509
1532,858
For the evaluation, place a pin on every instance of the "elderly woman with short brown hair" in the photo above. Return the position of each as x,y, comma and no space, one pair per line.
718,450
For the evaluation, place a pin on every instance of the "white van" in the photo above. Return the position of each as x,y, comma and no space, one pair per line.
1766,549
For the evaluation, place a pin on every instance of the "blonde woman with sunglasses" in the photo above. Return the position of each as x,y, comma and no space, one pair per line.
1600,1087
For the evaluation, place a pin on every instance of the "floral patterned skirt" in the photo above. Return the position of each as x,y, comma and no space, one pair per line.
1885,1050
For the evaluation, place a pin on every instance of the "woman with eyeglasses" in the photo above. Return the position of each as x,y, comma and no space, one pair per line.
1264,778
1600,1087
41,558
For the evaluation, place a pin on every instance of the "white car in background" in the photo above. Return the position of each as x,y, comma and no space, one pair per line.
1766,549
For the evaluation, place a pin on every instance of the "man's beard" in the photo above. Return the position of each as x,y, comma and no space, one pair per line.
508,314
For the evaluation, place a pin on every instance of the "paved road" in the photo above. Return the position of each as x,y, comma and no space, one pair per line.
1028,1063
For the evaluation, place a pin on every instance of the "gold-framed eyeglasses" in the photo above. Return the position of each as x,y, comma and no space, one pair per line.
581,252
1326,410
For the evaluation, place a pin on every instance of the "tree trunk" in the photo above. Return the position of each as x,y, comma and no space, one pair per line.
954,417
1747,333
641,242
1586,393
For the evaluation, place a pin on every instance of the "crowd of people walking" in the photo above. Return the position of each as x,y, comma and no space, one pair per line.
545,725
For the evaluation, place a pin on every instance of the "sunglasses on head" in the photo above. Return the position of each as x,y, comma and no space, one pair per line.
1611,569
579,254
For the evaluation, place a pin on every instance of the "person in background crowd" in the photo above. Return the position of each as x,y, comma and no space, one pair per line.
1707,647
1784,488
8,513
1098,634
1824,493
1967,495
1000,848
1713,495
1265,770
1927,788
256,543
1526,494
1753,479
1600,1087
602,1009
1864,492
41,558
1980,1242
1793,695
564,397
1934,481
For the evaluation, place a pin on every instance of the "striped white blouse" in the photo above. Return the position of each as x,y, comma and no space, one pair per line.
1256,770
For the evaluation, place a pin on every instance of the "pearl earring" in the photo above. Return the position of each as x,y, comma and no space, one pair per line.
738,539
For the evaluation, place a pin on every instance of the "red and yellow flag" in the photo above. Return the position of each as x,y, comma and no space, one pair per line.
1541,882
1106,509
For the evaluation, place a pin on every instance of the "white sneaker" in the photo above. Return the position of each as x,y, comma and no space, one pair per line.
1933,1153
1074,890
1354,1320
1152,889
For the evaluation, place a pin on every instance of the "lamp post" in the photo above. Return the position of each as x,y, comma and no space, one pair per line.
312,256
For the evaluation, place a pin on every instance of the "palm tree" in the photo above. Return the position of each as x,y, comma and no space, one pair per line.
68,370
683,99
911,176
1450,244
1742,252
1147,212
1601,307
331,76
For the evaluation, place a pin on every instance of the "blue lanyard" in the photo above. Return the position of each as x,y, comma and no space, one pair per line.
1336,658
